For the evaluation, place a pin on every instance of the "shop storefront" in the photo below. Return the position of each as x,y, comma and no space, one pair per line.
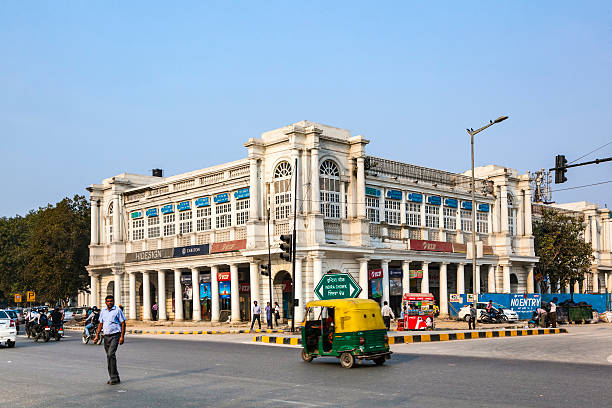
375,287
395,290
225,294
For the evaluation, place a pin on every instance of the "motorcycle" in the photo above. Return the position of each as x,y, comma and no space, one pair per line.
92,335
42,332
57,332
496,317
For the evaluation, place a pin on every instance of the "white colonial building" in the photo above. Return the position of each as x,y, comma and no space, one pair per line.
598,231
395,227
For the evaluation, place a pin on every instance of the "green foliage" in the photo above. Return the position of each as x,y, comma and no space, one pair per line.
46,251
559,243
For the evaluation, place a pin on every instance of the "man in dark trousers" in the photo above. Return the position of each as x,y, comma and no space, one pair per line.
256,314
472,319
112,325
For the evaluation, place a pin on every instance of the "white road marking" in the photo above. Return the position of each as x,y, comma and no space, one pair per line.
306,404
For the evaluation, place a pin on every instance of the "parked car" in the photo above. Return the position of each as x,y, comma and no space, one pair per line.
8,330
13,314
464,312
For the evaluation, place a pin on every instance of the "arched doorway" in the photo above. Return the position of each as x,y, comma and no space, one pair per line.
513,283
283,290
110,289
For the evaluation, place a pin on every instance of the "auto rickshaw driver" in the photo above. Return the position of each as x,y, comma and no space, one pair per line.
328,329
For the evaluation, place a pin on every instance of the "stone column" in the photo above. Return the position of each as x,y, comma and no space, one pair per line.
495,213
314,176
117,280
343,207
317,270
530,288
254,281
254,190
363,277
595,280
504,210
94,222
491,279
299,292
443,290
93,287
214,293
360,198
609,281
235,289
178,297
132,311
528,229
385,279
146,296
405,276
425,280
506,278
195,295
161,295
520,217
461,278
116,223
477,283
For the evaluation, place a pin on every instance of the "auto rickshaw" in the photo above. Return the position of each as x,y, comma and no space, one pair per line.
348,329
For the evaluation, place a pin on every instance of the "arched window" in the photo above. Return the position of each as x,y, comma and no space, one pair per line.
511,215
109,223
282,190
329,184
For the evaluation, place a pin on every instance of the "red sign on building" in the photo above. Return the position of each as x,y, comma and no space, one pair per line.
375,274
245,287
228,246
223,276
435,246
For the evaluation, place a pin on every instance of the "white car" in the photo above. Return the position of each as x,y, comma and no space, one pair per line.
464,312
8,331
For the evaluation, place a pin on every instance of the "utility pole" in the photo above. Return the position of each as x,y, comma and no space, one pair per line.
294,303
269,262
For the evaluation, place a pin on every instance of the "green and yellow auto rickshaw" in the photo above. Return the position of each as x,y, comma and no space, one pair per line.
349,329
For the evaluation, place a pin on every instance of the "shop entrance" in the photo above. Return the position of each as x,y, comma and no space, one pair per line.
283,290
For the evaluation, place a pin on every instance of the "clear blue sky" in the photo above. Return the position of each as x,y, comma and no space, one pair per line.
92,89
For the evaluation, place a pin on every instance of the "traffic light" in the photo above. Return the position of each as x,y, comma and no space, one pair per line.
264,269
286,246
560,163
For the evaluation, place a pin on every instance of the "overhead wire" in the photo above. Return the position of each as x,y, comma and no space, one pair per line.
600,147
586,185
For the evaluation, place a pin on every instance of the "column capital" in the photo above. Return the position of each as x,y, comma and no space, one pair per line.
118,271
425,262
462,263
406,261
443,263
363,259
384,261
300,257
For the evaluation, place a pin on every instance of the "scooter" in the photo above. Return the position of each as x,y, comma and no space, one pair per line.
497,317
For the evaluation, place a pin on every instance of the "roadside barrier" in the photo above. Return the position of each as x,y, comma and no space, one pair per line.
426,338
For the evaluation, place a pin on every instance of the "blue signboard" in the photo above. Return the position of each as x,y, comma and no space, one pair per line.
372,191
415,197
225,290
522,303
483,207
167,209
242,193
205,290
183,206
191,250
202,202
466,205
152,212
221,198
136,214
395,273
394,194
435,200
597,301
450,202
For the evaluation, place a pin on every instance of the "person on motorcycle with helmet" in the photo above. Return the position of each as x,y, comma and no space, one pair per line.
92,320
56,317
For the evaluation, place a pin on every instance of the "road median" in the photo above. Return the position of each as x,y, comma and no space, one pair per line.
190,332
427,338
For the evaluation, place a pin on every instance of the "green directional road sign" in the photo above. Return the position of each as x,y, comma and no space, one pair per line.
337,286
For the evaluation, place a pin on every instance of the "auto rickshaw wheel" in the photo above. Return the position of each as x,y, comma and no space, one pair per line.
307,357
347,360
380,360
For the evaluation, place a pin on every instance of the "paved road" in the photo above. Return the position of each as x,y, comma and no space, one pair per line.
191,371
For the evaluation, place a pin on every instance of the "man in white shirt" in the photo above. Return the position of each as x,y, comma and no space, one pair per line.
387,314
552,315
256,315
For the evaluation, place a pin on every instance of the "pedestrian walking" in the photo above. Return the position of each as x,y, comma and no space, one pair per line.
154,310
269,316
387,314
472,319
276,313
112,326
256,315
552,315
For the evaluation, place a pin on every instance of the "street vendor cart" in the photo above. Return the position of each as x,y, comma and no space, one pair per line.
419,312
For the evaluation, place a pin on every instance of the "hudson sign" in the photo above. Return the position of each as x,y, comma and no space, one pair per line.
434,246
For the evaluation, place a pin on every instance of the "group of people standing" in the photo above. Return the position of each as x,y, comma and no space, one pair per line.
271,313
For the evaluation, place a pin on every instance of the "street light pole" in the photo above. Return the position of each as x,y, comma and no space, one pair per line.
476,285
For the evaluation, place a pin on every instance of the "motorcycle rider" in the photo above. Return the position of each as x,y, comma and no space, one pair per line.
490,309
56,317
92,320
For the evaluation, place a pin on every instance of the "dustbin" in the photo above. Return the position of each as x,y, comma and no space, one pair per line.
575,313
587,312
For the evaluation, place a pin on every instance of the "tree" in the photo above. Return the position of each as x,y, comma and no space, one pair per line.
57,250
559,242
13,240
